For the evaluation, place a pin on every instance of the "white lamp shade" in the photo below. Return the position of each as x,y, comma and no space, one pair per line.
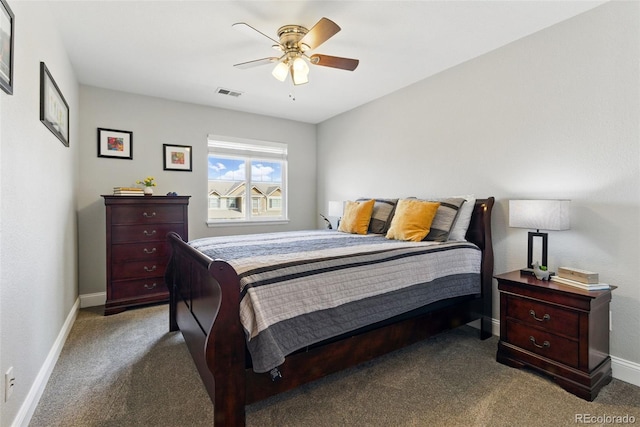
539,214
335,209
280,71
299,65
299,77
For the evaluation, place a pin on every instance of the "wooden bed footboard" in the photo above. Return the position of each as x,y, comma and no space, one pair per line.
204,306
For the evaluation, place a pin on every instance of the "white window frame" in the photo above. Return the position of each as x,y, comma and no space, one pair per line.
250,150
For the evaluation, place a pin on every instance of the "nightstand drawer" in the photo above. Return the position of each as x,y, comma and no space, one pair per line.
545,344
549,317
146,214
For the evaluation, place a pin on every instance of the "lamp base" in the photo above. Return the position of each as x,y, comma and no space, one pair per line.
527,272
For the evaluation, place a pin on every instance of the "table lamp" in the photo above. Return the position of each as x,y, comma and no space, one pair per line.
539,215
335,210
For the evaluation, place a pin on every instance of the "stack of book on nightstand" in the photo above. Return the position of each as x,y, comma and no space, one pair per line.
579,278
127,191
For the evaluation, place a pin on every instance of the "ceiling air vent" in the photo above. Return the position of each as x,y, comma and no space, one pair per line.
223,91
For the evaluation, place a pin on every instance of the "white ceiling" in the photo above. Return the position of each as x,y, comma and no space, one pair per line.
185,50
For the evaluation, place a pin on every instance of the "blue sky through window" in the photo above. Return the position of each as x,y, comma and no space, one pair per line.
225,169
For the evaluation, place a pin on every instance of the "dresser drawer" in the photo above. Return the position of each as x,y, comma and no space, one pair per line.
142,251
139,269
551,318
545,344
146,214
143,233
138,288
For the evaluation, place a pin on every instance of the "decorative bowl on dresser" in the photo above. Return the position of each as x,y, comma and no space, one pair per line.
558,330
137,248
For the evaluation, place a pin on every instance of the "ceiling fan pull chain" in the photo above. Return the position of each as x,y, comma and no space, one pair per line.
292,93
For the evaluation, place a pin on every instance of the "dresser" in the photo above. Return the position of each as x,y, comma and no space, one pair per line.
137,248
558,330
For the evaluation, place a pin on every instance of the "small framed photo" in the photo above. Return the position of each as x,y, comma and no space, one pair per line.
54,110
177,157
6,47
115,143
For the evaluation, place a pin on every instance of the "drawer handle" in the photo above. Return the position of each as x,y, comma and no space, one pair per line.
146,215
545,344
149,270
147,251
146,233
150,287
545,317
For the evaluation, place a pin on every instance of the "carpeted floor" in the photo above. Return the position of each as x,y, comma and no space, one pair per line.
128,370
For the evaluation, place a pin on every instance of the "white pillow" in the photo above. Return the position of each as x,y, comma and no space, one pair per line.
459,230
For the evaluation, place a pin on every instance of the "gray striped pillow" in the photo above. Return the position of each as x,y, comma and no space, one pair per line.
445,218
383,210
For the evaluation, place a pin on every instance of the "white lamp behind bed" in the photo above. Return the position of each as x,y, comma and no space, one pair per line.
336,209
539,215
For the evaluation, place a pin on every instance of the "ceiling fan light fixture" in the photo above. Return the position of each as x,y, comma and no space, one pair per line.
300,65
280,71
299,77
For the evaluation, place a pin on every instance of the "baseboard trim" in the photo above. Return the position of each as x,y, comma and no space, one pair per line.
625,370
93,300
23,418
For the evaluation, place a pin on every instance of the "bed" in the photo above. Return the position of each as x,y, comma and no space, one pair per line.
230,335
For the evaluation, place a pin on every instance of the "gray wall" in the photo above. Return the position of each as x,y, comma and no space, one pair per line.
154,122
554,115
38,241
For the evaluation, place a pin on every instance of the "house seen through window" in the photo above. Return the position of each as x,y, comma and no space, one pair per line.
246,180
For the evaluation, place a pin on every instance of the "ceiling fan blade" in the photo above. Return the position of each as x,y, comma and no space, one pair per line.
256,63
248,29
320,33
334,62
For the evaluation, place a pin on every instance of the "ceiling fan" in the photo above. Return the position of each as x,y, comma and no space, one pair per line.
294,43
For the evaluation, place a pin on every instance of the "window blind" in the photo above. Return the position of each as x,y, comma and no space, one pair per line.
247,148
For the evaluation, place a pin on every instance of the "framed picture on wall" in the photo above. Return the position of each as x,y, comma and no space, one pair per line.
177,157
115,143
6,47
54,110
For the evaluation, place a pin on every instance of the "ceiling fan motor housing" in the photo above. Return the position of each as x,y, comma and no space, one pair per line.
290,36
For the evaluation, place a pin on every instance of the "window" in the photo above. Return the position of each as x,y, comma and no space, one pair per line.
246,181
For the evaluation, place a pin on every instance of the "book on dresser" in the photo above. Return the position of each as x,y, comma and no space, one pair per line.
587,286
127,191
578,275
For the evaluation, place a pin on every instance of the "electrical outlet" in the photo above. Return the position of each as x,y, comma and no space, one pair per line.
9,383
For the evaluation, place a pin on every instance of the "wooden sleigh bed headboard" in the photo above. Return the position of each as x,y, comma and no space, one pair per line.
204,306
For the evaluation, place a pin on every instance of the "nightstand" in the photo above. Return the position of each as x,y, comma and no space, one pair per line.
558,330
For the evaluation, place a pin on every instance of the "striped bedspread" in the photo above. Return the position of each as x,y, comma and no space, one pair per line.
299,288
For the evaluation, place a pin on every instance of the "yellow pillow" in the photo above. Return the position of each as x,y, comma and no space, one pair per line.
356,217
412,220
